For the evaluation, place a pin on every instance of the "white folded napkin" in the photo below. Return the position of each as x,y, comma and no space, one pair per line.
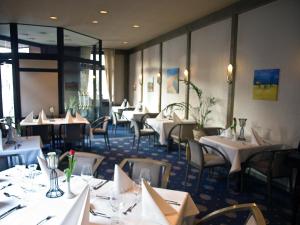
69,117
45,170
79,117
40,120
256,139
176,118
29,118
44,117
154,207
122,182
228,133
160,115
145,110
127,104
123,103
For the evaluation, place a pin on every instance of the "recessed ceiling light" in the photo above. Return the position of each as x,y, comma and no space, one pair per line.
125,42
135,26
103,11
53,17
95,21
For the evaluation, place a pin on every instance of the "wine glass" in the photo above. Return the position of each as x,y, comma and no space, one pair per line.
145,175
31,175
115,201
87,173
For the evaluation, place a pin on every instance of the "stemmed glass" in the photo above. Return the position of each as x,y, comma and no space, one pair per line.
32,173
115,201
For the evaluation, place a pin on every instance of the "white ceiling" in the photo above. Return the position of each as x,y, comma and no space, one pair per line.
155,17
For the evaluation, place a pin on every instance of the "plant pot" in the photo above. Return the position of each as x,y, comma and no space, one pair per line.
198,133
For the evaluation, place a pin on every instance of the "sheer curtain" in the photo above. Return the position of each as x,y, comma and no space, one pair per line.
109,69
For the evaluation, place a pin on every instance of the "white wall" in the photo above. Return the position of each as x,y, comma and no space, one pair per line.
174,56
135,67
150,70
210,51
269,37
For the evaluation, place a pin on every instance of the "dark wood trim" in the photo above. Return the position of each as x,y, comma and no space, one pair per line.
15,70
100,76
37,56
94,79
236,8
121,52
232,60
5,56
77,59
188,67
161,75
38,70
1,106
60,66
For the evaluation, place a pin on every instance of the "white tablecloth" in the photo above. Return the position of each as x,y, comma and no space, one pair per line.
55,121
163,127
38,206
119,109
236,151
28,148
136,115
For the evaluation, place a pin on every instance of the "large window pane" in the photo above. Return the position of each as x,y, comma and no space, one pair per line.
78,45
5,46
37,39
7,90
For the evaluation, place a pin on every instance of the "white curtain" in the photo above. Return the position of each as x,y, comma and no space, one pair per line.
109,69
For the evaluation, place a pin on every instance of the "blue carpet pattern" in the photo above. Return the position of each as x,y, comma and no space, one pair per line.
212,194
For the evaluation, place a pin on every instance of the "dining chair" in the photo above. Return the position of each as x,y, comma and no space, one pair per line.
82,159
8,161
148,115
159,170
141,130
72,133
45,131
270,164
101,128
202,157
180,134
118,119
255,216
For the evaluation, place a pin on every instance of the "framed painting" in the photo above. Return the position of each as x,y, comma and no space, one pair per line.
265,84
173,80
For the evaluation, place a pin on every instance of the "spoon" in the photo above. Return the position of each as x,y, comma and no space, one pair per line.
44,220
9,195
5,186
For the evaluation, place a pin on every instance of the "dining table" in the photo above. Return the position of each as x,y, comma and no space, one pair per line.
120,109
163,126
27,147
237,151
91,204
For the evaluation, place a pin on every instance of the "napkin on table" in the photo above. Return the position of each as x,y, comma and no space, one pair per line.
69,117
79,117
160,115
176,118
29,118
43,114
145,110
40,120
256,139
122,182
45,170
154,207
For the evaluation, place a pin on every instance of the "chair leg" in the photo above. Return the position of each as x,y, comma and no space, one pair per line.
179,151
133,142
269,186
115,129
138,144
108,144
186,175
105,141
198,180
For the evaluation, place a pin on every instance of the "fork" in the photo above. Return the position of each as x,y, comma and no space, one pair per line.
98,214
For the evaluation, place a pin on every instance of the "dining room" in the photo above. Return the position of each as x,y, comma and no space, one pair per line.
161,112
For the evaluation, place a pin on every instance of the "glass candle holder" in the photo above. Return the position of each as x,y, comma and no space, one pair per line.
54,191
242,122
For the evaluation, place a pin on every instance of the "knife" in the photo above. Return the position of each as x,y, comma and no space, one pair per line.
100,185
11,210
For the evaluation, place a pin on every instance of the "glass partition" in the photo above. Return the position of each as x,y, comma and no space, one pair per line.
37,39
5,46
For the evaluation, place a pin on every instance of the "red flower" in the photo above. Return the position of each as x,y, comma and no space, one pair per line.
72,152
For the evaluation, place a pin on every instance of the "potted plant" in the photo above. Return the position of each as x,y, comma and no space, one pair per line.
200,113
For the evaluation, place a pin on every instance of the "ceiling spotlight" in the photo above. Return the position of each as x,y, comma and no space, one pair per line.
125,42
103,11
95,21
53,17
135,26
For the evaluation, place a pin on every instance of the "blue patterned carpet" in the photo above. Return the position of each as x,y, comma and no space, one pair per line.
212,194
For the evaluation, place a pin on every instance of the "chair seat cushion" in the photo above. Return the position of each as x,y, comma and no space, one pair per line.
146,131
261,166
213,160
123,121
98,130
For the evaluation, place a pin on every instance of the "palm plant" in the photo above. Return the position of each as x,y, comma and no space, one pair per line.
201,111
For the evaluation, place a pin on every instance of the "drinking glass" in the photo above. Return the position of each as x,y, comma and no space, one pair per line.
31,174
145,175
87,173
115,201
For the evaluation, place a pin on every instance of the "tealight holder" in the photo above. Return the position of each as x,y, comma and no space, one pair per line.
54,191
242,122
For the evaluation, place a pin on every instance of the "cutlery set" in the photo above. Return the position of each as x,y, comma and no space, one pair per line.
129,209
101,184
94,213
5,186
11,210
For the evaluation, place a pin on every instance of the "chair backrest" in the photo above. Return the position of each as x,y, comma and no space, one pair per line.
211,131
255,216
8,161
159,170
72,131
280,162
196,154
45,131
105,123
148,115
82,158
186,131
136,128
114,118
